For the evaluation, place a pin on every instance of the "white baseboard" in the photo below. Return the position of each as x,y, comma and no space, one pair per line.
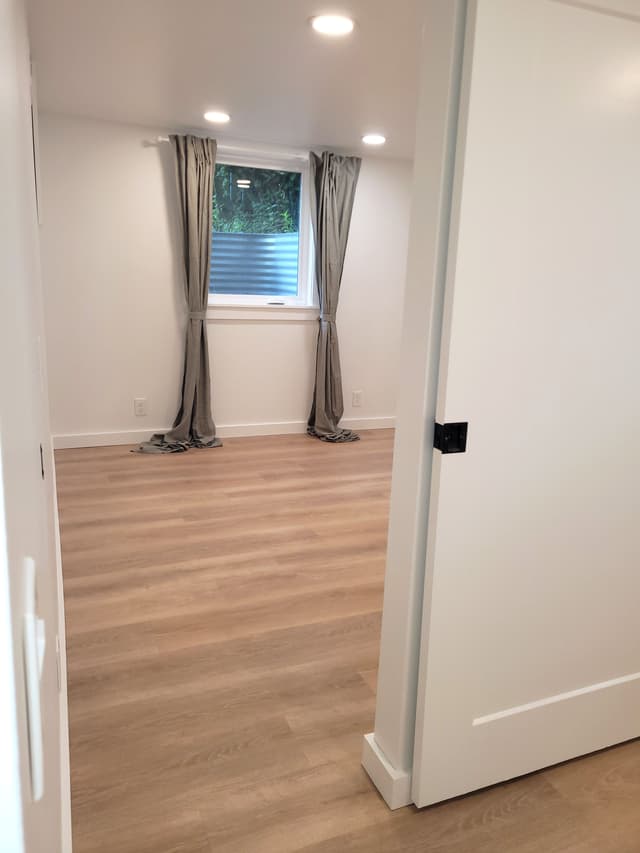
246,430
368,423
295,427
394,785
104,439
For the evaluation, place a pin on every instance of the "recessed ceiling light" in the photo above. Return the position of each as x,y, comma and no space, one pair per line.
332,25
217,117
374,139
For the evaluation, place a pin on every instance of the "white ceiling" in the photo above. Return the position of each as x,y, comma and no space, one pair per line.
162,63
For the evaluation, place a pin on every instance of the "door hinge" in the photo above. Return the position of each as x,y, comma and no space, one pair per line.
41,462
450,438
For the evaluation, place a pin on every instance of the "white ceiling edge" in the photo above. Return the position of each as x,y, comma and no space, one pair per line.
150,134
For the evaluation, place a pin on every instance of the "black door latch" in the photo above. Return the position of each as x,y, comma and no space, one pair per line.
450,438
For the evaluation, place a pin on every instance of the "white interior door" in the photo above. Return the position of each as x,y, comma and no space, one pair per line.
531,633
32,814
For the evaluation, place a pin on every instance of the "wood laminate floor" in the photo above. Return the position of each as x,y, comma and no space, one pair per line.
223,612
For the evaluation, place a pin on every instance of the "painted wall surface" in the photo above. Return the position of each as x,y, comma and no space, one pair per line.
114,308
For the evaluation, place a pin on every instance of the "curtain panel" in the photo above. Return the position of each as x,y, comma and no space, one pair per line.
333,186
193,426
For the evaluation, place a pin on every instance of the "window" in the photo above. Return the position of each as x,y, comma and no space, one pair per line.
260,241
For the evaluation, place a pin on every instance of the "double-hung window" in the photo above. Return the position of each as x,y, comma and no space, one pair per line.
260,248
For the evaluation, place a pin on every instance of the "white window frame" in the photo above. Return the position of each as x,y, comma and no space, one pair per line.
307,297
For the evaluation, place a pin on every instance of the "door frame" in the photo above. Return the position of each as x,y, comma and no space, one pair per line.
388,751
444,86
21,250
52,500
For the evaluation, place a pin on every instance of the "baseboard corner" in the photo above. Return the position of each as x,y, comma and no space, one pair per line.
393,785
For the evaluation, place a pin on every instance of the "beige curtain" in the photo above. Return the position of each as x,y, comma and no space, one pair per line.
193,427
333,186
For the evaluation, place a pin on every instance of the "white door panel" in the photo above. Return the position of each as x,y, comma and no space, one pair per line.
531,643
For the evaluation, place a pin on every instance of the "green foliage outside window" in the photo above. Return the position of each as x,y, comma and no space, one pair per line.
270,205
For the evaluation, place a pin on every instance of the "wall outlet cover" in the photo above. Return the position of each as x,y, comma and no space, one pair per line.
140,407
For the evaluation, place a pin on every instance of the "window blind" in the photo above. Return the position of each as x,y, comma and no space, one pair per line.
254,264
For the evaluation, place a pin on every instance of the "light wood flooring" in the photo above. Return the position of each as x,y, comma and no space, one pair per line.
223,612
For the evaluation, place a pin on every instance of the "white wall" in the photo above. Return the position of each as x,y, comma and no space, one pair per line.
114,304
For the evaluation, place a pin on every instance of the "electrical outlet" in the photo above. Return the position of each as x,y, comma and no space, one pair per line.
356,399
140,407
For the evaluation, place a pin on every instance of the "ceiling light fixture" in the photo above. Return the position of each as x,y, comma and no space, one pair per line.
217,117
333,25
243,184
374,139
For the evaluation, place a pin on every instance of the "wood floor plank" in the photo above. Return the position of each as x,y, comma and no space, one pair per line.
223,618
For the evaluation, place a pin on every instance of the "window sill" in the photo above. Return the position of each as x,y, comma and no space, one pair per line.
262,313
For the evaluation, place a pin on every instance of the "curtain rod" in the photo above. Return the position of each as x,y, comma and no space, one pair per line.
239,149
